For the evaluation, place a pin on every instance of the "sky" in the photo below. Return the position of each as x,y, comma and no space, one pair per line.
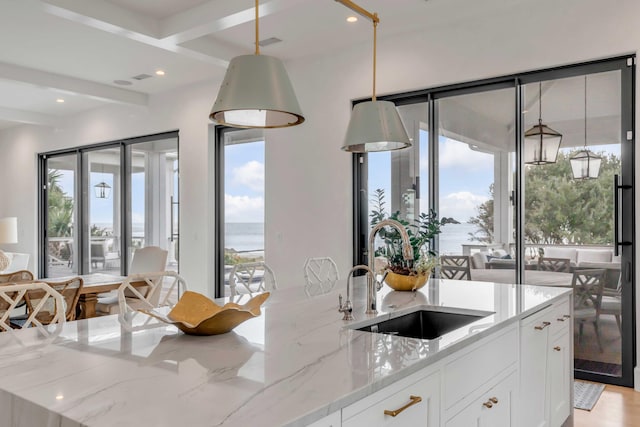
465,177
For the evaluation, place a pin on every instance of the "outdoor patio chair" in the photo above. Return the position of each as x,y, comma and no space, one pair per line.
457,267
612,304
320,275
588,286
253,277
558,265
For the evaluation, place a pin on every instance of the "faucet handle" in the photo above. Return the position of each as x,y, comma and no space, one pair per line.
347,308
380,282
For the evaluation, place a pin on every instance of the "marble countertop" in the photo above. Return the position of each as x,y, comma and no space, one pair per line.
290,366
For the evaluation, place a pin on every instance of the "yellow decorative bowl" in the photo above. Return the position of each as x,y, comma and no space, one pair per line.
195,314
401,282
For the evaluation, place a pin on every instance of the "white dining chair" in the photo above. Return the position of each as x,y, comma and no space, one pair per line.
150,259
48,306
320,275
252,277
150,290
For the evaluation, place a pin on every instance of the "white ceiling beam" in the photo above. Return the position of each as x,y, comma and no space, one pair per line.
103,15
26,117
216,15
116,20
72,85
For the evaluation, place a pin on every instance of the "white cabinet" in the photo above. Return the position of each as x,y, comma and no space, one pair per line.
494,407
560,379
332,420
415,405
545,367
534,346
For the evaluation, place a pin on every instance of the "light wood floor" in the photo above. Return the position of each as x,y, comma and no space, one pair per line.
617,407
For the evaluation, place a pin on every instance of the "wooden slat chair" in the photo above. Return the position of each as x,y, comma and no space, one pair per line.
70,291
46,306
588,286
558,265
320,275
457,267
17,277
253,277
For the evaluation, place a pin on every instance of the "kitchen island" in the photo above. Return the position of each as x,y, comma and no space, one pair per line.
296,364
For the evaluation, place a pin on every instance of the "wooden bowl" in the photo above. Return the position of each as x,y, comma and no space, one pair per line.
195,314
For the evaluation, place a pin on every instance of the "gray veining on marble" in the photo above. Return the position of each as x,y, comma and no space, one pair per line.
292,365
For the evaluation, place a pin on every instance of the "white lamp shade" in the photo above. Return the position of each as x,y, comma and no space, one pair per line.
585,165
541,145
375,126
9,230
256,93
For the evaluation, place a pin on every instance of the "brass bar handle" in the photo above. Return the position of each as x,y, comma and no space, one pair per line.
488,404
494,400
560,319
544,325
567,316
414,400
557,348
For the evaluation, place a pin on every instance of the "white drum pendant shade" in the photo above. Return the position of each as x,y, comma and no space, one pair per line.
375,126
256,93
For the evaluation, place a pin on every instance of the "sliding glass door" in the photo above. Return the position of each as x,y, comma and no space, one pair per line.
101,202
573,209
60,215
521,213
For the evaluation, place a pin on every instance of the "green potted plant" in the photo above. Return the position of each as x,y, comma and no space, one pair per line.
404,274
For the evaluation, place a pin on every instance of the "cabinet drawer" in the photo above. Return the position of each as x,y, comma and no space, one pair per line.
494,408
370,411
561,318
477,367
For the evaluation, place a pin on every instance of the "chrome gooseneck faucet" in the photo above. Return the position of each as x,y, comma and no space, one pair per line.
373,286
347,308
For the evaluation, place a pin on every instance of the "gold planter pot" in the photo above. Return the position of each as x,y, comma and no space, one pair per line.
400,282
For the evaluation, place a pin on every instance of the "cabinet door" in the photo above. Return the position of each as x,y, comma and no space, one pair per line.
534,347
560,379
411,411
493,409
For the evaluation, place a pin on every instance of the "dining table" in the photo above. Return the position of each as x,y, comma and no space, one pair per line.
93,284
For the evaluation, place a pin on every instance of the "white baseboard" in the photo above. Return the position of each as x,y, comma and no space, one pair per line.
636,378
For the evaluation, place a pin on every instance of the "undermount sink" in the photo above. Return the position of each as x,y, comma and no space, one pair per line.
424,323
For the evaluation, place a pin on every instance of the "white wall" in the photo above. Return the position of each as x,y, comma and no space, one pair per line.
308,182
185,109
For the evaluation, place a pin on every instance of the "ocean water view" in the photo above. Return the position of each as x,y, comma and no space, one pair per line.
243,236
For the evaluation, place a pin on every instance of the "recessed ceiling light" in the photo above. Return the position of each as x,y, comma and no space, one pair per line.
159,72
59,397
352,19
60,100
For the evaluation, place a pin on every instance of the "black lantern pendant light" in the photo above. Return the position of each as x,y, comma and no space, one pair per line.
102,190
541,143
584,164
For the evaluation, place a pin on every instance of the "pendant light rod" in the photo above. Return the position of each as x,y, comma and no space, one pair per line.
360,10
540,102
585,112
375,20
